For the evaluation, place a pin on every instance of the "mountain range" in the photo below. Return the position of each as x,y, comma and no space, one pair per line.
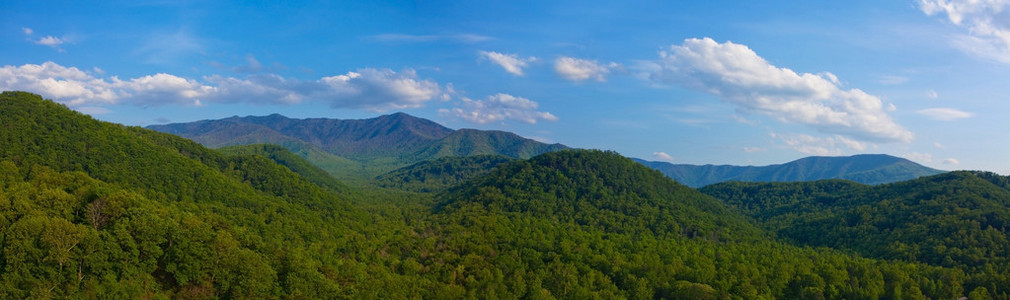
864,168
359,149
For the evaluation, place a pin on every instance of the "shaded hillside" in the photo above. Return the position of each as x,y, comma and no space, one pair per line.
466,142
866,169
440,174
956,219
295,163
358,150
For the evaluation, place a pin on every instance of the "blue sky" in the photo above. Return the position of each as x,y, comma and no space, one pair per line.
699,82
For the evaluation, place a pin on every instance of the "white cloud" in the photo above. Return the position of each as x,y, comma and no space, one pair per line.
498,108
944,114
370,89
931,94
951,161
986,21
575,69
50,41
379,90
27,31
811,145
512,63
662,156
938,145
753,149
739,76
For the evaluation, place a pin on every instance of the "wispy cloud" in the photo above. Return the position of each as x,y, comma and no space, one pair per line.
892,79
369,89
51,41
575,69
739,76
986,21
426,38
512,63
944,114
499,108
167,48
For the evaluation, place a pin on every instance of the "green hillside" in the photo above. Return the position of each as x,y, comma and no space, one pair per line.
956,219
440,174
589,224
293,162
98,210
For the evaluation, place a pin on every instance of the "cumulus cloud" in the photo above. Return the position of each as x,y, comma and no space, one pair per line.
27,31
512,63
370,89
498,108
739,76
575,69
944,114
662,156
986,22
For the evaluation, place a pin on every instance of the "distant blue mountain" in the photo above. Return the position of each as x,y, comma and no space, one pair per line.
865,168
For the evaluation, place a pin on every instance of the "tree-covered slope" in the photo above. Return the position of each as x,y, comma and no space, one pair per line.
589,224
295,163
466,142
605,190
956,219
440,174
865,168
98,210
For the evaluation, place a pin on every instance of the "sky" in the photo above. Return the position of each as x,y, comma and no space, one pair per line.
694,82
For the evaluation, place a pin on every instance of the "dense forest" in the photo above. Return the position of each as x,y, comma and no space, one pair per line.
90,209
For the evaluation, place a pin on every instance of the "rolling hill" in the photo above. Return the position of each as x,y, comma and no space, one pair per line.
956,219
865,168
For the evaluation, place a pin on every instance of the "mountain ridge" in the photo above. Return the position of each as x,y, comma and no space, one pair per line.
862,168
359,149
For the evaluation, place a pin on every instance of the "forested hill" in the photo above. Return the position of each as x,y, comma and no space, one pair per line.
359,149
865,168
956,219
90,209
